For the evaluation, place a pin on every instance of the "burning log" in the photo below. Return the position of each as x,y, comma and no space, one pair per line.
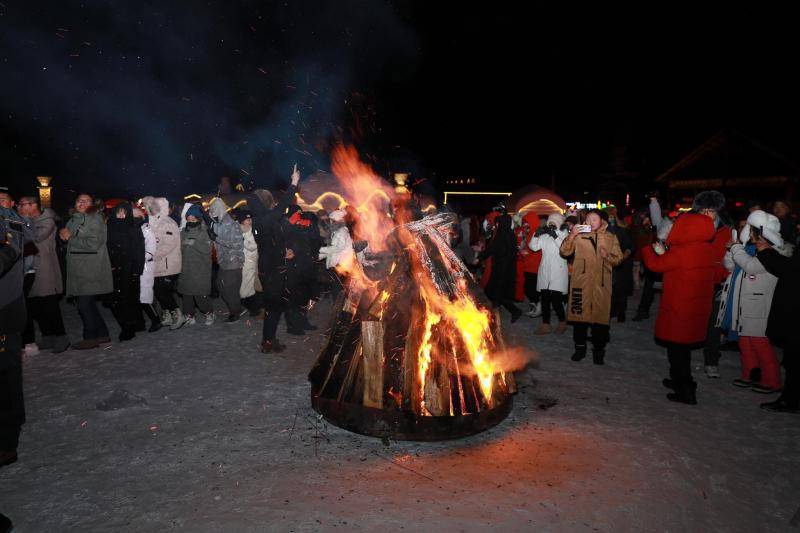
410,351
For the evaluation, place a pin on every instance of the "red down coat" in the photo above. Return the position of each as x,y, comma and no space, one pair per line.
689,271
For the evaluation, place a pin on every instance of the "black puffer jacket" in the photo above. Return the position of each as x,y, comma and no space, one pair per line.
782,323
126,251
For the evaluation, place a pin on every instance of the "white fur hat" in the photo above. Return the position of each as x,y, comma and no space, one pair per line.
769,225
338,215
556,218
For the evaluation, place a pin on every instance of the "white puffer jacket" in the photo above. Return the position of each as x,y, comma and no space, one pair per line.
753,287
250,268
168,237
147,278
553,272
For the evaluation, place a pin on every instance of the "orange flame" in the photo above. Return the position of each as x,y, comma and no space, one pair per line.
361,186
452,323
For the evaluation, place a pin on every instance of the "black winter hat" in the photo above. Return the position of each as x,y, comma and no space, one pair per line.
714,200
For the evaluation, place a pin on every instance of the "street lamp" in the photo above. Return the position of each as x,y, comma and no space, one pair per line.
44,191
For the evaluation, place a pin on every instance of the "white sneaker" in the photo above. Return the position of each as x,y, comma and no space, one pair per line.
209,318
536,310
183,321
712,372
31,349
177,316
166,318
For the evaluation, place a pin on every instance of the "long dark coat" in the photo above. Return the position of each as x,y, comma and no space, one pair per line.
622,276
502,249
271,242
195,278
126,252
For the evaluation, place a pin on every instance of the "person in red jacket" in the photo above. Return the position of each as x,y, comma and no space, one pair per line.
688,264
528,264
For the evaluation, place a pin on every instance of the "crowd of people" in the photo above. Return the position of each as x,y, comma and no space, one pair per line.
722,281
725,283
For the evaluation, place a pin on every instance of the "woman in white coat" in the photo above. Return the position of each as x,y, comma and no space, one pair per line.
553,278
248,292
746,301
147,279
167,258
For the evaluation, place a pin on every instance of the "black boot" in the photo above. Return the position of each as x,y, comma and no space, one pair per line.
580,353
684,393
5,524
155,320
598,356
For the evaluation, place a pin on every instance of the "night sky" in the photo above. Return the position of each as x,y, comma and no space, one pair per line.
165,97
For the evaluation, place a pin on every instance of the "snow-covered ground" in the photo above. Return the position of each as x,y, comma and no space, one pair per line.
219,437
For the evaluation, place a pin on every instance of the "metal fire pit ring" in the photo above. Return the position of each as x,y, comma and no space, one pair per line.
402,425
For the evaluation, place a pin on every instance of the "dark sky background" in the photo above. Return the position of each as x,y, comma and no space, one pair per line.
166,97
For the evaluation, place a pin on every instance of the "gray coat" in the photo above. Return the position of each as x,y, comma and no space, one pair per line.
48,280
229,240
195,278
88,266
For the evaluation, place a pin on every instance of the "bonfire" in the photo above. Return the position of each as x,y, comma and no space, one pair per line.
414,350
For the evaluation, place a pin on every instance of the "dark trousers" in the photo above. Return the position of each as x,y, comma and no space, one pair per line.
94,327
556,300
680,363
600,335
229,283
189,304
12,404
530,287
274,305
711,352
152,314
619,304
648,292
253,303
164,290
791,363
509,304
46,312
125,306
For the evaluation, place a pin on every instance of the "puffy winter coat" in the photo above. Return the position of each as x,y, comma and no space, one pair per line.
752,293
48,280
88,266
195,278
553,270
147,279
341,248
168,238
782,328
589,296
228,242
250,268
502,250
126,251
689,269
